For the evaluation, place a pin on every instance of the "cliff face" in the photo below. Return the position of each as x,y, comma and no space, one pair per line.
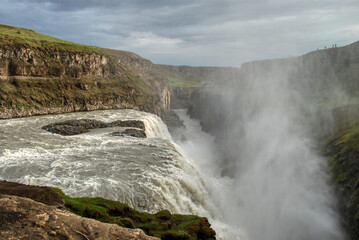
41,75
28,62
184,80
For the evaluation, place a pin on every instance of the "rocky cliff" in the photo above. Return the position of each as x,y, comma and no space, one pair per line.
184,80
41,75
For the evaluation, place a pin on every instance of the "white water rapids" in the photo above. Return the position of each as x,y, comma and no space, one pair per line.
149,174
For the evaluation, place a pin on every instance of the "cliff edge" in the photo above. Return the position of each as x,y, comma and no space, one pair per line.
40,74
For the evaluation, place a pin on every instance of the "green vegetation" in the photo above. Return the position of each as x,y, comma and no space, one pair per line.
343,151
350,139
195,77
162,224
187,82
342,145
42,72
27,94
14,36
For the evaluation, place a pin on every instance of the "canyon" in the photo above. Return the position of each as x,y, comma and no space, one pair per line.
41,75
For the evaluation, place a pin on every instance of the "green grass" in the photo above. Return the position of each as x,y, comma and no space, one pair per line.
185,82
162,224
14,36
350,139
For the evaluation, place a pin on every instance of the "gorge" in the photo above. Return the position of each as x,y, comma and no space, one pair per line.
267,151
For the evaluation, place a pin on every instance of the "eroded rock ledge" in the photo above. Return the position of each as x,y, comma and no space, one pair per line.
74,127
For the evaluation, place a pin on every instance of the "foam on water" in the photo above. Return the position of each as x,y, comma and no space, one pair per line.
149,174
201,148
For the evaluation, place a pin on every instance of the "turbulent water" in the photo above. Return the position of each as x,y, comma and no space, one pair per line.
271,198
201,147
149,174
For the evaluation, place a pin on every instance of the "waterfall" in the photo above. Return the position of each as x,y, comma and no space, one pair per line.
149,174
274,183
155,127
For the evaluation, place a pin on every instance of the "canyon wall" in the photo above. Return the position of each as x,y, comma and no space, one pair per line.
44,75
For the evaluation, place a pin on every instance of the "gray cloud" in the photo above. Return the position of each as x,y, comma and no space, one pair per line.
200,32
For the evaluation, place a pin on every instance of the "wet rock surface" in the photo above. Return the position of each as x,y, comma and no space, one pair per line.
133,132
173,122
75,127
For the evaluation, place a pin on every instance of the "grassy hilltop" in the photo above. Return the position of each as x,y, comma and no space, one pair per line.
17,37
41,74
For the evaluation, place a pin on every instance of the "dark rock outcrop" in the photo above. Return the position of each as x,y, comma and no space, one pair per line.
127,123
37,193
74,127
173,122
133,132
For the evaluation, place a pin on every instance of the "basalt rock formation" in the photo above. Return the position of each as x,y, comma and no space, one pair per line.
40,74
74,127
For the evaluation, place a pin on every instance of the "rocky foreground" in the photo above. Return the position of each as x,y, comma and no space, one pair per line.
23,218
34,212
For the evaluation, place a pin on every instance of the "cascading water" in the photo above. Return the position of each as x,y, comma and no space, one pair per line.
201,147
149,174
277,190
277,185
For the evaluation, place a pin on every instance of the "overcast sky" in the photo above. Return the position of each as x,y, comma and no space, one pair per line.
193,32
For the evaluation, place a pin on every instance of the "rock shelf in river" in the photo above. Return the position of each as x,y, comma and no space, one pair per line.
75,127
